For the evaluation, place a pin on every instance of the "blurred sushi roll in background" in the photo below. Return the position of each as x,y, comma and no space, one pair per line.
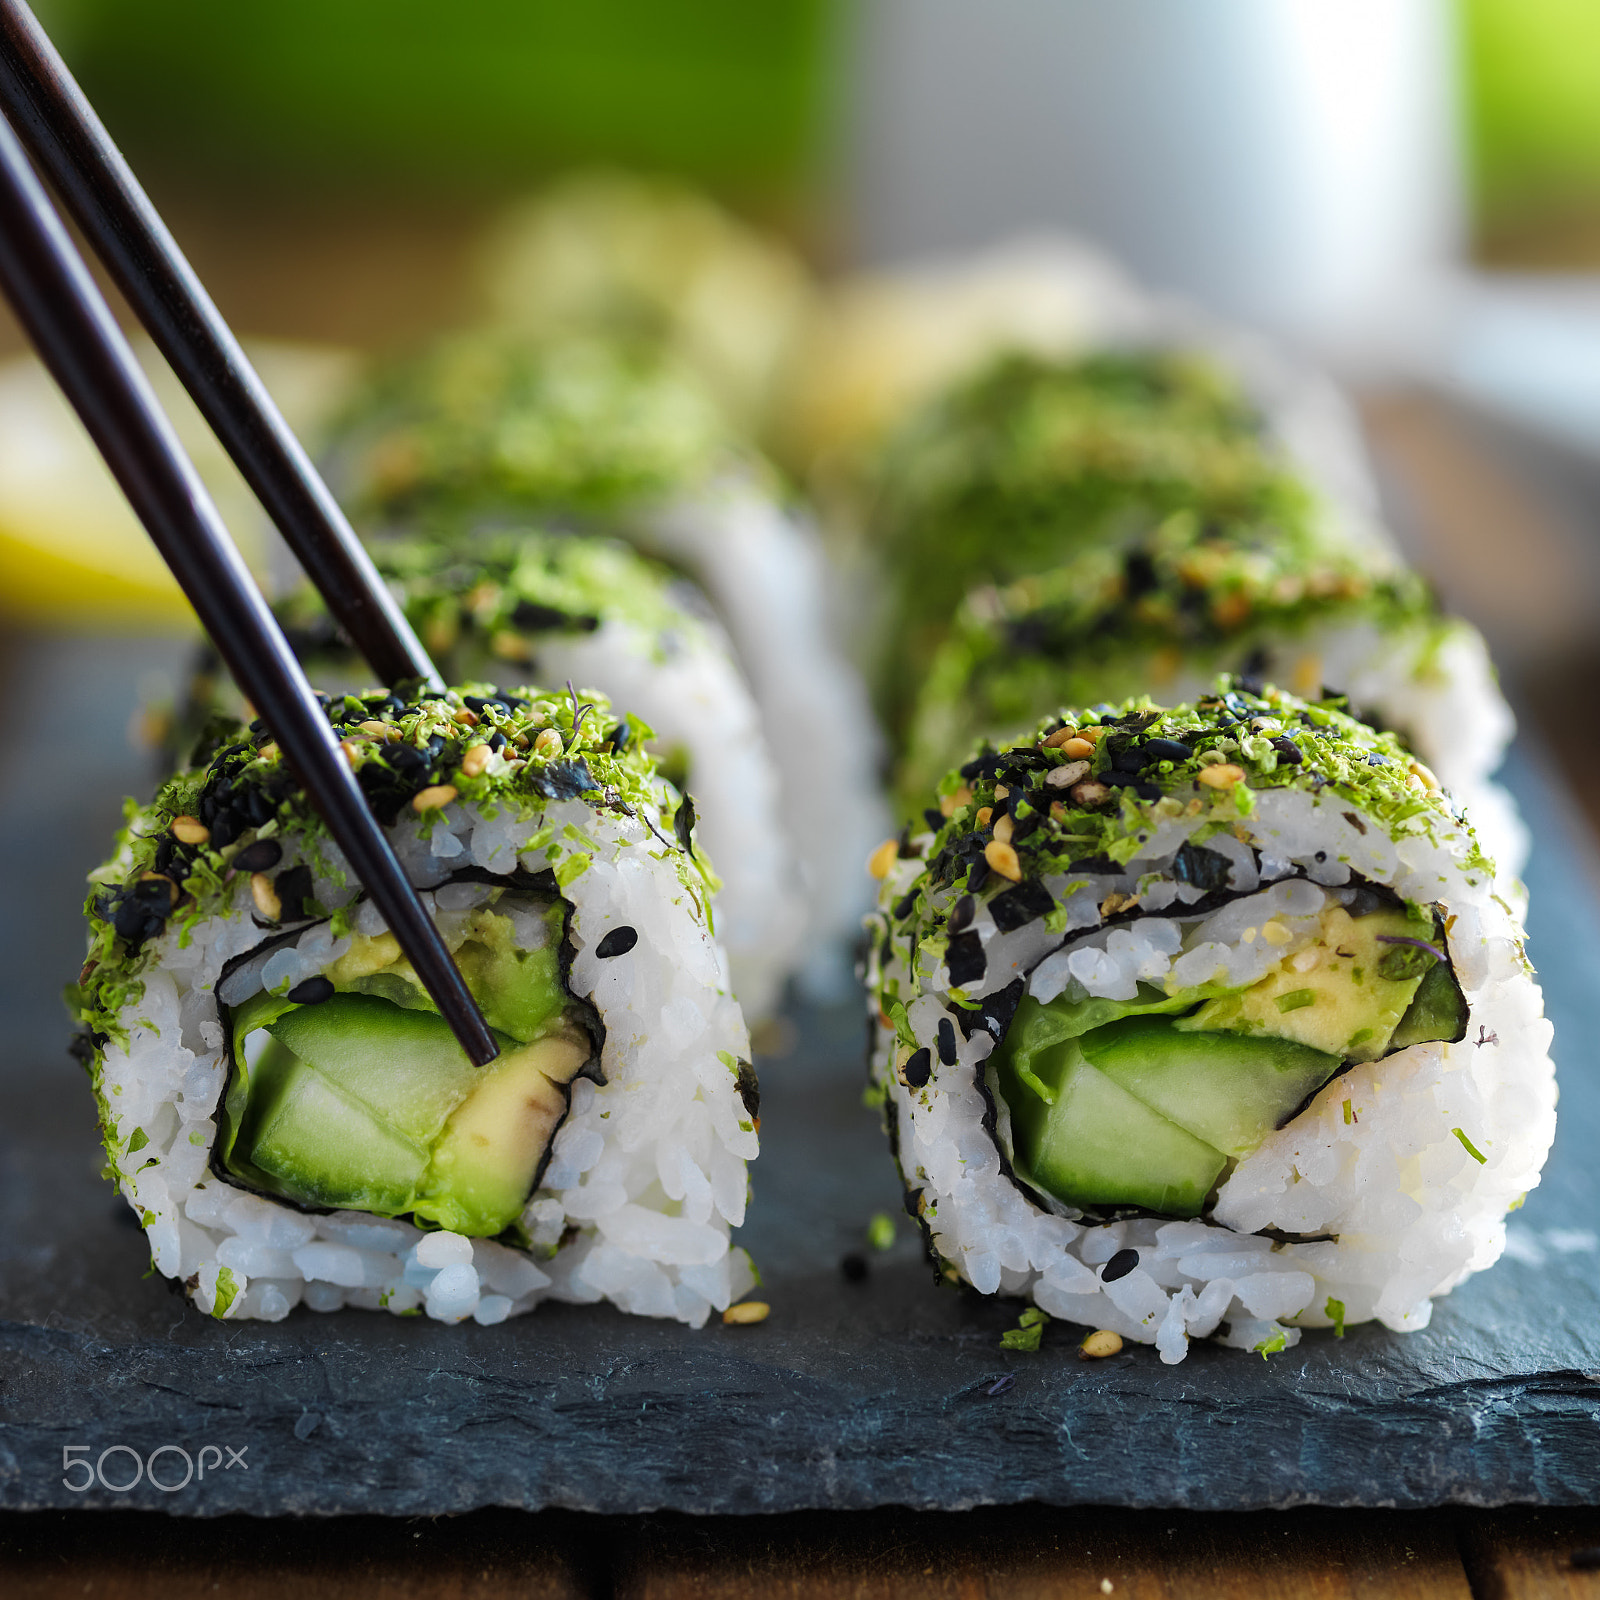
884,345
603,437
1132,519
654,262
1206,1022
290,1118
1164,600
558,608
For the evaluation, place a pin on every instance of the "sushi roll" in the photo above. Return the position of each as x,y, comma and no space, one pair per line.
598,437
1167,608
289,1117
556,608
1206,1022
620,255
887,344
1032,462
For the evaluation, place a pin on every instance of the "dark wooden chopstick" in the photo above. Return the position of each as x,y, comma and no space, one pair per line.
77,338
59,126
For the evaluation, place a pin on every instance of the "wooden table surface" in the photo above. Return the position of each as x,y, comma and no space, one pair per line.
1021,1553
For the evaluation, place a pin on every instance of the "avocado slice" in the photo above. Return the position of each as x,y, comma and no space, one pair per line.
484,1163
519,990
1092,1143
1344,994
1229,1089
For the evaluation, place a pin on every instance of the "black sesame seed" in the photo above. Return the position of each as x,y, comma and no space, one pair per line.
262,856
683,824
1119,1266
966,960
617,943
947,1042
919,1068
1164,750
853,1268
293,889
1288,751
906,905
978,877
129,921
934,819
312,992
962,913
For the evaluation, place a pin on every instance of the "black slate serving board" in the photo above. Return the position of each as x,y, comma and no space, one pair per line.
853,1394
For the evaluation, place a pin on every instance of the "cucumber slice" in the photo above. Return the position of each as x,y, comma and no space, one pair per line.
1438,1011
1094,1144
404,1066
1229,1089
305,1139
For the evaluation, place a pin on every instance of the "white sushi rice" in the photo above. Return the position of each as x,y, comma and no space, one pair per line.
647,1172
766,575
1410,1209
685,684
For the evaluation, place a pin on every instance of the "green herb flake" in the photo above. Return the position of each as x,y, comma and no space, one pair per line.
227,1292
1471,1149
1274,1342
1334,1311
1296,999
880,1231
137,1143
573,867
1028,1331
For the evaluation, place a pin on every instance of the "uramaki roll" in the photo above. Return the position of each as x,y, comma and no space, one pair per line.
1206,1021
292,1120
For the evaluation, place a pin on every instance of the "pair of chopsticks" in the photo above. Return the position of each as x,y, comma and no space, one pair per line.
66,317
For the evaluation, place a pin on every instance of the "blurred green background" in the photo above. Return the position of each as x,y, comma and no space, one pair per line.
1531,72
481,97
483,93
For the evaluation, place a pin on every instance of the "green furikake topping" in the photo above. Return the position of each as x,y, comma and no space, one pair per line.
1034,460
482,423
1094,785
1189,596
481,604
185,856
